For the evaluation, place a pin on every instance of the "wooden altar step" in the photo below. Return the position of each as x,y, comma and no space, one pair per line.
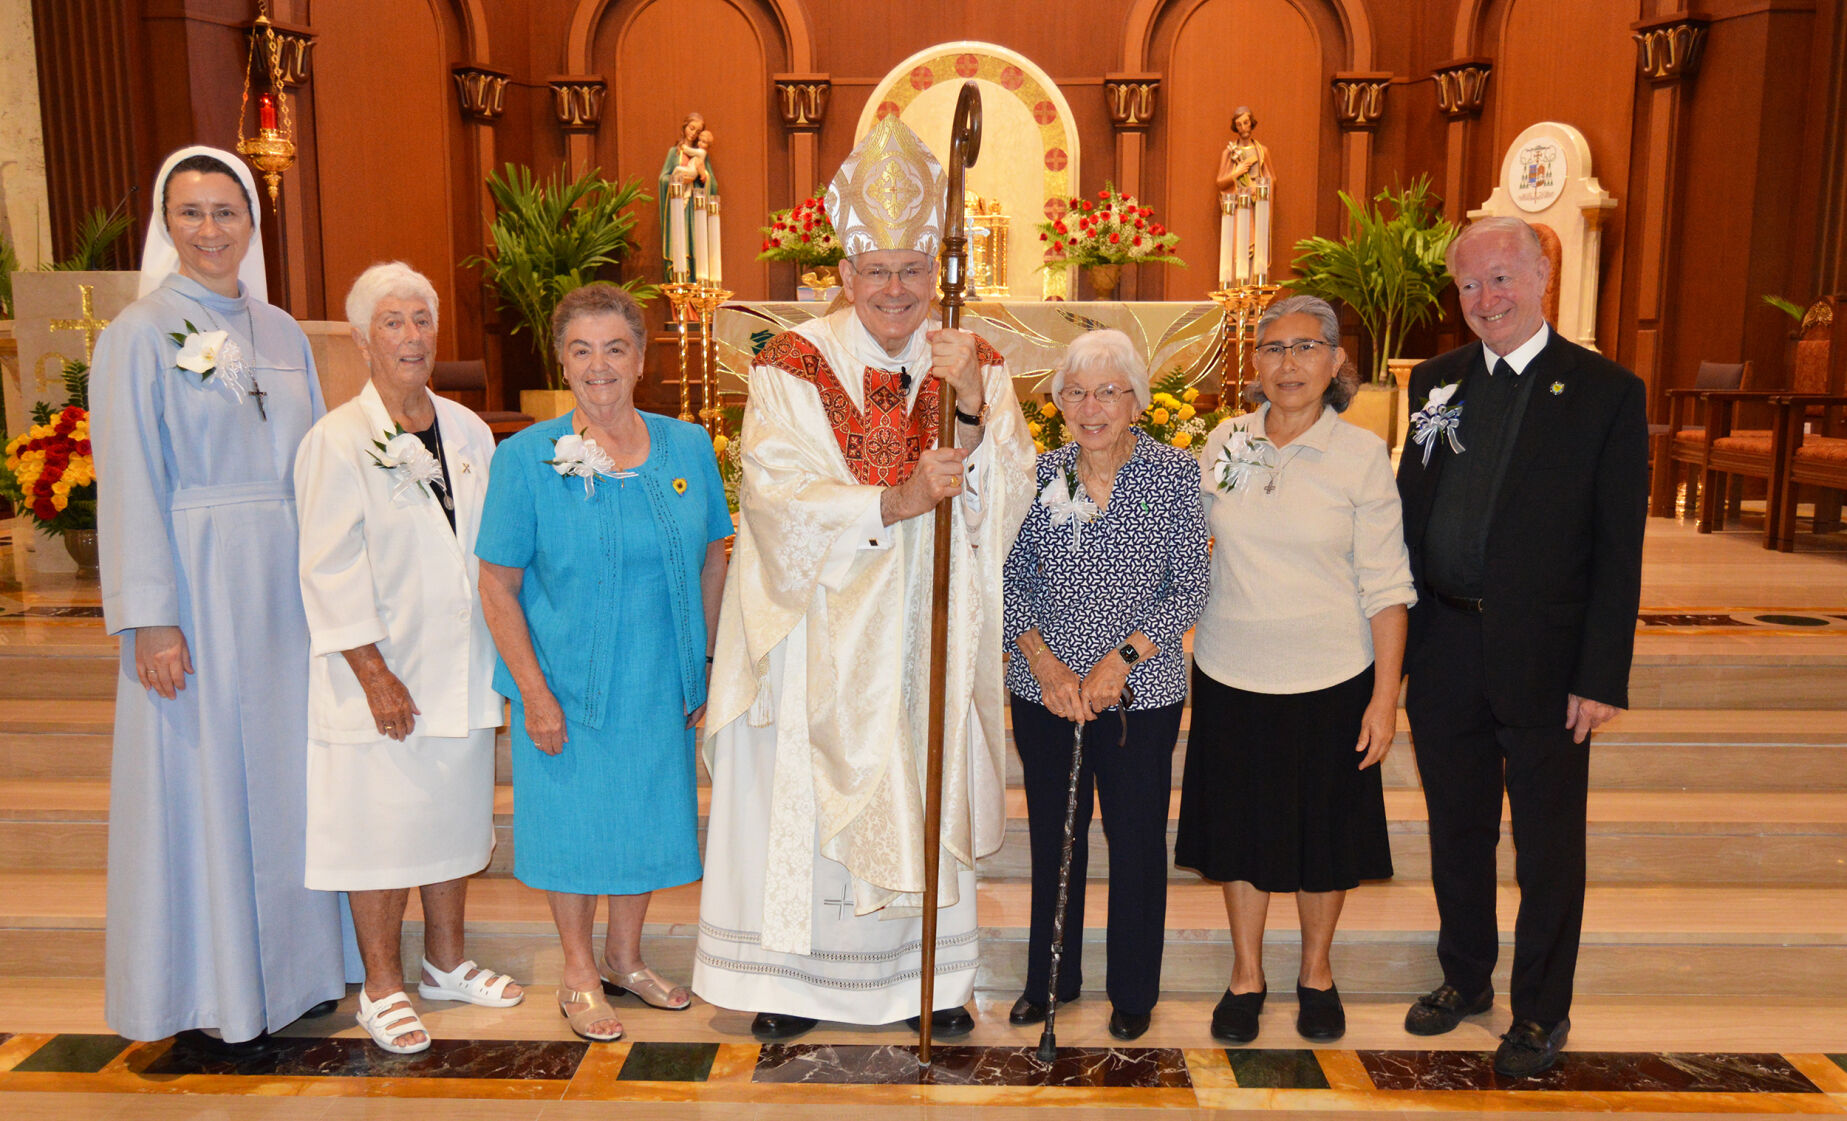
1659,941
1767,839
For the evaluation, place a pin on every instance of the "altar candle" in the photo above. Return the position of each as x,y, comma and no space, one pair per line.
715,246
266,112
1228,247
701,251
676,233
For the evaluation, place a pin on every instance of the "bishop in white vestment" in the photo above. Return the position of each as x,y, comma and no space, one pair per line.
816,730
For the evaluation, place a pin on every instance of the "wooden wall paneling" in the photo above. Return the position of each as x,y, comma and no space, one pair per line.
386,131
1281,72
1573,61
1824,158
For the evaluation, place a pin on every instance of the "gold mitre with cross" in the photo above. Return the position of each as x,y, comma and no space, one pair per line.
889,194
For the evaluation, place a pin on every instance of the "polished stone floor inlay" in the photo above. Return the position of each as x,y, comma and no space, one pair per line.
1276,1069
75,1054
1592,1071
359,1058
668,1062
1141,1067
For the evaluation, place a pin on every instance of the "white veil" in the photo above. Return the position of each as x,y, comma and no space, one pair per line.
159,258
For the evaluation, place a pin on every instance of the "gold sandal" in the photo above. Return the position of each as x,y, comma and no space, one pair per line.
590,1007
649,986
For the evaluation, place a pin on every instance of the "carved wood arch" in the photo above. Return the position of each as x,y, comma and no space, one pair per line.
791,18
1354,19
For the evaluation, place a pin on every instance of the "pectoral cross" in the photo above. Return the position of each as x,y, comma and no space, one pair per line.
89,324
257,394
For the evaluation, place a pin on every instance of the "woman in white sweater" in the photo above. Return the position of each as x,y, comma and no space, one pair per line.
1297,661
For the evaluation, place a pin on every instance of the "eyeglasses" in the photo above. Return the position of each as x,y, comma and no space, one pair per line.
1303,349
192,216
1106,395
879,276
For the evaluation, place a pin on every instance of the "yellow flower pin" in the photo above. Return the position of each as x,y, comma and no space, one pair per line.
679,486
1558,387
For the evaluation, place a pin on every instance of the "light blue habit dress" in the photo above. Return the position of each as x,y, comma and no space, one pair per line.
209,924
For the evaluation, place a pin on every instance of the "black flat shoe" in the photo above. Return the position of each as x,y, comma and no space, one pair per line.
1319,1016
204,1043
1235,1018
1528,1050
1128,1025
324,1008
946,1023
774,1027
1441,1010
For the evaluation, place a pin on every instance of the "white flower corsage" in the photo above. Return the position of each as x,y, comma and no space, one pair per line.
411,465
213,356
1438,419
1242,454
1064,496
574,454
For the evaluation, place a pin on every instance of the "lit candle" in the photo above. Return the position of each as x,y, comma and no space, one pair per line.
266,112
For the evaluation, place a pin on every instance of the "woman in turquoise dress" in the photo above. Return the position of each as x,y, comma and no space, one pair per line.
602,553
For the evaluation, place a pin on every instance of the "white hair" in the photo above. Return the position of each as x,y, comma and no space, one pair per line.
1494,224
1104,349
392,279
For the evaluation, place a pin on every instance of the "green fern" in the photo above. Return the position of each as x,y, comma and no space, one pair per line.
549,238
1787,307
1389,270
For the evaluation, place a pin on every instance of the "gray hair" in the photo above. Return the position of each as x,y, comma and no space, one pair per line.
599,298
1497,224
391,280
1346,383
1104,349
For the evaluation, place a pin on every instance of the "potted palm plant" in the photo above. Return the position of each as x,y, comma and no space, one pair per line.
549,238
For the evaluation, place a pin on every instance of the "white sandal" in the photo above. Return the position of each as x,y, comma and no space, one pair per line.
374,1014
486,988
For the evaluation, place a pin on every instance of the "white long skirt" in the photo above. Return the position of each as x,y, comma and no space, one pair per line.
385,814
861,969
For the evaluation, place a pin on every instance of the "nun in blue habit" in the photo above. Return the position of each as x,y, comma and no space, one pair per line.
200,393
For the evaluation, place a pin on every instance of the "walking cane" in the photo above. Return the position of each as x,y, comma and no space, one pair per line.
1048,1039
964,147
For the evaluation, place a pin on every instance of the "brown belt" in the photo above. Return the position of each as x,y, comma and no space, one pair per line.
1471,605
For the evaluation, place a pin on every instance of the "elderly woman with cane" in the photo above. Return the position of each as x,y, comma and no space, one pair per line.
1107,574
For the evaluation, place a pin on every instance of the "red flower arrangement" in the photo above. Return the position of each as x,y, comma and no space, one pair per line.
1115,229
803,234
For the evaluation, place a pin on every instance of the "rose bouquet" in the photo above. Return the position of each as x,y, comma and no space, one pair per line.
49,472
1113,229
802,234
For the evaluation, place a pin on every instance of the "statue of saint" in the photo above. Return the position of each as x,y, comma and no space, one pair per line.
1245,181
685,226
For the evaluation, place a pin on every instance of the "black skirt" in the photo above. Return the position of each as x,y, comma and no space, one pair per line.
1273,794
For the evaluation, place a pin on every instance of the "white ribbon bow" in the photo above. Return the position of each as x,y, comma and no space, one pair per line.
1437,419
1066,507
1241,455
216,358
579,456
411,465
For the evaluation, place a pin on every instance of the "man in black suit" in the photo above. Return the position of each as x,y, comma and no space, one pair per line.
1525,491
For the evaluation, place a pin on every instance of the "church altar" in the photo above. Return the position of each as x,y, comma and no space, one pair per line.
1030,334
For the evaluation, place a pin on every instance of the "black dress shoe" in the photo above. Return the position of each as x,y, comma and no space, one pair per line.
945,1023
1529,1049
1440,1011
774,1027
1235,1018
1128,1025
324,1008
1319,1015
1029,1011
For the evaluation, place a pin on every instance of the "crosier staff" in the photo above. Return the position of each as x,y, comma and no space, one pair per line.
964,149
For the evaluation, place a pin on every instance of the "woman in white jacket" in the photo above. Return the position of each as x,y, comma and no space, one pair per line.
401,708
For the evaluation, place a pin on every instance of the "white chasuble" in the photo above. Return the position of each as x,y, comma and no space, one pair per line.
817,721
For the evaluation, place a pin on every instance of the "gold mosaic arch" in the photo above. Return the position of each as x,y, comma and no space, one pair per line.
1027,83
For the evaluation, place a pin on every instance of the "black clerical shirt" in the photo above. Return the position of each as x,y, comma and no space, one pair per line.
1456,540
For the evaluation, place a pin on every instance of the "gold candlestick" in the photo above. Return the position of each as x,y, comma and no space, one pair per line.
708,298
1243,306
680,296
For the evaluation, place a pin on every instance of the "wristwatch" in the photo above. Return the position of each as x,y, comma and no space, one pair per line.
1130,655
976,420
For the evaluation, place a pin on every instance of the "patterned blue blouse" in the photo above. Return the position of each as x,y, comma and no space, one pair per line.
1141,565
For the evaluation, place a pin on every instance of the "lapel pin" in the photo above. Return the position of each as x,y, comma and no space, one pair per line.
1558,387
